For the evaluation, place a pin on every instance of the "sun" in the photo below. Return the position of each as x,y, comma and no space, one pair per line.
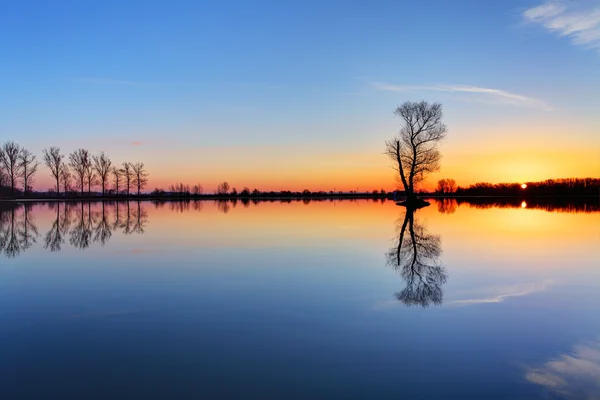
524,186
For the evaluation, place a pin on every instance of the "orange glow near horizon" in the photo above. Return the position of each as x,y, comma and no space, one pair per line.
278,168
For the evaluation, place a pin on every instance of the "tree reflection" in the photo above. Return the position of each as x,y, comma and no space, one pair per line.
102,231
447,206
55,237
416,258
81,234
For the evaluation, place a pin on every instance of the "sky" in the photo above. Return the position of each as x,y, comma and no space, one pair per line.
293,95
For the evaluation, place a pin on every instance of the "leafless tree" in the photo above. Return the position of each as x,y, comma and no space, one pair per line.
79,161
446,186
28,165
140,176
9,158
128,176
222,188
414,151
197,189
54,161
102,167
416,258
117,175
65,177
91,178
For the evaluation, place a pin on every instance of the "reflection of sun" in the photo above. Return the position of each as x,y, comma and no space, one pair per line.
524,186
523,204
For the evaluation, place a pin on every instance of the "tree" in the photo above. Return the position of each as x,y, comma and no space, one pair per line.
222,189
197,189
28,165
128,176
54,160
446,186
9,157
117,175
102,167
90,175
414,151
65,177
140,177
79,161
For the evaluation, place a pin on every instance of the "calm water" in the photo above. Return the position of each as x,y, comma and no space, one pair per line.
291,300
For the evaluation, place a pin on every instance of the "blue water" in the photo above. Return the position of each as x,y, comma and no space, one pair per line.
285,301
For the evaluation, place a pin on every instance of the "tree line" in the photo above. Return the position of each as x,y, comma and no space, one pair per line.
77,172
549,187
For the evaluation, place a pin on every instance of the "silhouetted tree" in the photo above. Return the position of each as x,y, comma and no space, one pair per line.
65,177
78,162
91,178
140,176
128,176
28,165
416,258
222,189
54,160
117,175
197,189
102,167
414,151
446,186
9,158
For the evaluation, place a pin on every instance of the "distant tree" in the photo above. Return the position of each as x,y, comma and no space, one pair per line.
128,176
79,161
234,192
54,160
102,167
256,192
140,176
245,192
446,186
28,165
414,151
9,158
65,177
117,175
91,178
222,188
197,189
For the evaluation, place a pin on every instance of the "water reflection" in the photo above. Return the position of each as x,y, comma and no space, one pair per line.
18,231
573,375
84,226
416,258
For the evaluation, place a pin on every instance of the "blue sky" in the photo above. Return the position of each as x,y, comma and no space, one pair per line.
236,81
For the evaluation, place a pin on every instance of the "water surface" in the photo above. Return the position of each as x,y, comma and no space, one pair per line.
328,299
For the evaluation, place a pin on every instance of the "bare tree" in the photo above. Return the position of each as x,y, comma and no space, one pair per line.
54,160
446,186
9,157
414,151
65,177
28,165
90,176
140,176
128,176
197,189
117,175
102,167
79,161
222,188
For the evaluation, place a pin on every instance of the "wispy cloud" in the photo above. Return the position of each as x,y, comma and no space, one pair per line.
480,94
575,375
579,21
136,143
108,81
501,293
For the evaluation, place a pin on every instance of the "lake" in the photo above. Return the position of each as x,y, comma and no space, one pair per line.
299,300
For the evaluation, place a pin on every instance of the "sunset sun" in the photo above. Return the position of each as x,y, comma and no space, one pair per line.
524,186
